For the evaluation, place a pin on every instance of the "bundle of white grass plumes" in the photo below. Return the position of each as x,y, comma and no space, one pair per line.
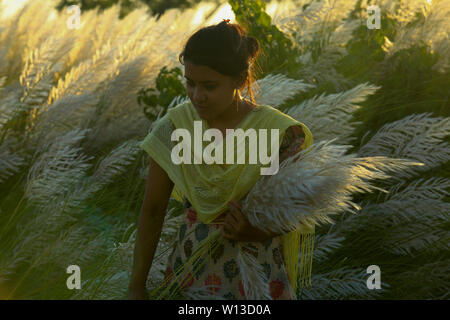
309,187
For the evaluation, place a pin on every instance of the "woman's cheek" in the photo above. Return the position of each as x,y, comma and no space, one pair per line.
189,92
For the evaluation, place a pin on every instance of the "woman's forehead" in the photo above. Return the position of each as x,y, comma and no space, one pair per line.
200,73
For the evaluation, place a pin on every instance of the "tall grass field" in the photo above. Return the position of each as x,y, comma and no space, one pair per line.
80,89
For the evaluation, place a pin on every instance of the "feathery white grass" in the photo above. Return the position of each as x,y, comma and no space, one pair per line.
433,30
56,187
67,113
11,106
417,136
320,28
416,216
413,212
436,279
308,23
106,53
423,237
81,78
433,188
111,166
40,65
57,171
110,281
50,189
332,48
119,68
10,161
343,283
163,250
176,101
328,116
314,184
277,89
254,280
325,244
310,187
15,37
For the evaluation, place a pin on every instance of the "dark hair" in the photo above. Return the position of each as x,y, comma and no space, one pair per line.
225,48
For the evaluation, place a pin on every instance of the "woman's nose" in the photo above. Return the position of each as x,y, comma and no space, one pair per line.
199,97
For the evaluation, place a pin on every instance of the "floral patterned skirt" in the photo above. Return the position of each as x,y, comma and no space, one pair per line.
219,274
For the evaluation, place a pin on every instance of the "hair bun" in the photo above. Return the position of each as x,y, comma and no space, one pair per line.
224,23
253,46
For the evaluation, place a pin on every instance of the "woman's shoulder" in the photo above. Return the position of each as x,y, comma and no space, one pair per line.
162,123
272,117
274,112
293,142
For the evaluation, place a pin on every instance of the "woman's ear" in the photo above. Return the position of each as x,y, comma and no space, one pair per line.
239,82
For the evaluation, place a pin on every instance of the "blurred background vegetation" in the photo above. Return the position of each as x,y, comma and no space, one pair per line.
155,7
103,227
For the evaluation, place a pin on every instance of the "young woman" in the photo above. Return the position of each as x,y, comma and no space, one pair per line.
218,64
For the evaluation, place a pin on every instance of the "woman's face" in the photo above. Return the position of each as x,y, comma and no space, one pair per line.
210,92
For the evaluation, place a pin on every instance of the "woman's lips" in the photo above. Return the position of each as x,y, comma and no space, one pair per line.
201,107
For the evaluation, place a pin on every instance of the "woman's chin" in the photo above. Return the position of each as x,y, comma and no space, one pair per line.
203,113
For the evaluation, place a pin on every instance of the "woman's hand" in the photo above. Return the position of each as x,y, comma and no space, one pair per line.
237,227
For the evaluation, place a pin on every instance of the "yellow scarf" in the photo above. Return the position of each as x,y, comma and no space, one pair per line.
209,187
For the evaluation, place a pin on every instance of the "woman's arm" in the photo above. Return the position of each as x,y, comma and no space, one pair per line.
292,142
157,194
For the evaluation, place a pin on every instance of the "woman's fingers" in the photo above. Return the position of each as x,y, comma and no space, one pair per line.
232,215
234,221
237,213
228,233
231,220
231,224
235,204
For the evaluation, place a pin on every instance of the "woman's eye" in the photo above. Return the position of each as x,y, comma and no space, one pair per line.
207,87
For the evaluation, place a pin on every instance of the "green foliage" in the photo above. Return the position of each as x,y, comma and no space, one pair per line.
156,7
365,50
278,52
409,82
168,86
85,5
409,85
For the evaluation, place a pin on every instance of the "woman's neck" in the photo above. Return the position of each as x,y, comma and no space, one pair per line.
233,117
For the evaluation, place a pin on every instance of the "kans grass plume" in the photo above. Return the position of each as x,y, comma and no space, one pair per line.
311,186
